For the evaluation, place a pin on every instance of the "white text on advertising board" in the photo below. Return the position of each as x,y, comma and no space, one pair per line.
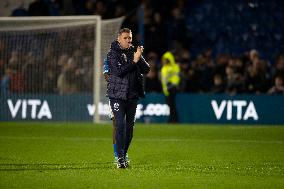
244,110
150,110
34,108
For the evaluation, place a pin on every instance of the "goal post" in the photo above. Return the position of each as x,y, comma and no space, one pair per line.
69,48
97,71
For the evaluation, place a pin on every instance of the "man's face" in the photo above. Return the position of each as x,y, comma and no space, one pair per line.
125,40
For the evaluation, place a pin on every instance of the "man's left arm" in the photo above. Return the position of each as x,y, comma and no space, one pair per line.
140,61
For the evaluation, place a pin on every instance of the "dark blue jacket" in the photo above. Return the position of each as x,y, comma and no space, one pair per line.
125,77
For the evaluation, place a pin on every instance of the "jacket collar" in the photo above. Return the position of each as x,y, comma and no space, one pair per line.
116,47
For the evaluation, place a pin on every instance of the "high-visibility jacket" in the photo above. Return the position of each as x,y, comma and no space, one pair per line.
170,73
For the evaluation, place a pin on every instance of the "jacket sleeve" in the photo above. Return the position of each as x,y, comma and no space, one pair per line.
143,65
105,66
117,67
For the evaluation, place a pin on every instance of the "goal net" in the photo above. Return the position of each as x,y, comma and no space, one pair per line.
51,67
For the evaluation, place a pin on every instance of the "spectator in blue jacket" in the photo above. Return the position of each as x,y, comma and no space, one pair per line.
125,87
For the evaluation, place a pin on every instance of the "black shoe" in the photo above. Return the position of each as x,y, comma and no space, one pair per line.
120,163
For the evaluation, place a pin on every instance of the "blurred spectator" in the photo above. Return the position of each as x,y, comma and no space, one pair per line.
89,7
183,60
100,9
119,10
202,71
155,58
16,79
170,83
38,8
234,81
176,28
192,82
66,82
20,10
221,64
87,74
239,66
6,81
14,60
50,69
17,82
63,59
152,82
218,84
49,80
33,73
155,35
68,7
54,6
278,87
147,11
2,58
279,66
253,55
256,79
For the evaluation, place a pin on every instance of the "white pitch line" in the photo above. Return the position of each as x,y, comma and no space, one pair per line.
141,139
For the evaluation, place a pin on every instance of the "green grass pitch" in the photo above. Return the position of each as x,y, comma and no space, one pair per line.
80,155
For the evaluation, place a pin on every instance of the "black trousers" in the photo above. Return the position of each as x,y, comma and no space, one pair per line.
124,113
171,101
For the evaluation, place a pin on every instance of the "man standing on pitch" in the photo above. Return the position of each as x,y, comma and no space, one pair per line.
125,87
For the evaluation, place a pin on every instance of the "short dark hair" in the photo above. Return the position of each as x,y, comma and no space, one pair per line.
124,30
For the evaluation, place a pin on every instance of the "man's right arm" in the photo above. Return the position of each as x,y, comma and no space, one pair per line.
117,67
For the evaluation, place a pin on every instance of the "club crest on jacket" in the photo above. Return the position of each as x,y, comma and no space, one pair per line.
116,107
124,57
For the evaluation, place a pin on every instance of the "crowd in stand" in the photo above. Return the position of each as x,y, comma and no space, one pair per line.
55,62
165,29
247,74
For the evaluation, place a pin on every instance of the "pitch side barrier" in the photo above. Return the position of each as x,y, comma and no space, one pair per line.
192,108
